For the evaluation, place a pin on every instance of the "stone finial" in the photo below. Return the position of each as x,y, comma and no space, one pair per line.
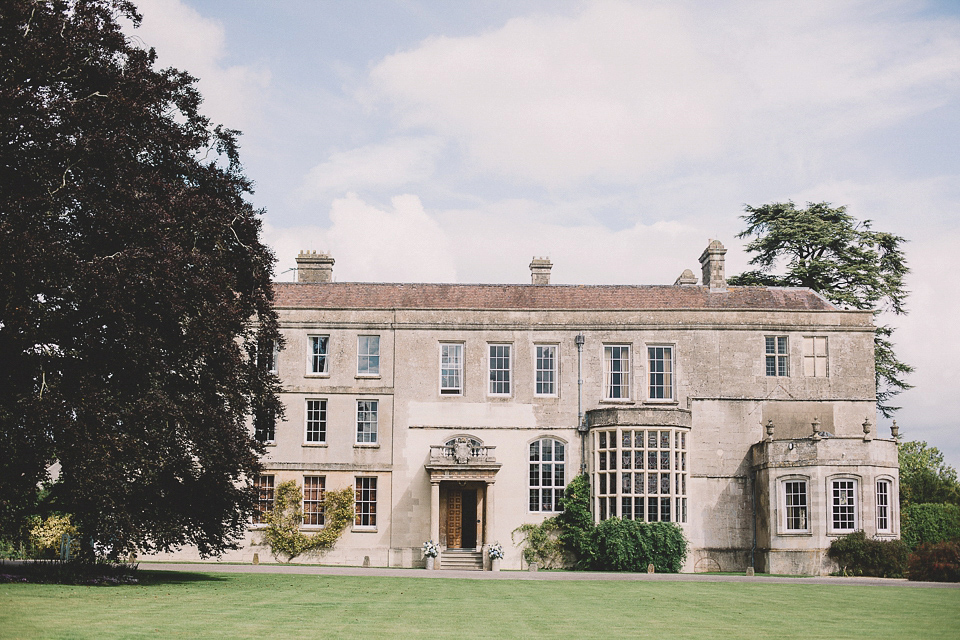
816,429
314,267
866,430
686,279
770,428
540,270
711,261
895,430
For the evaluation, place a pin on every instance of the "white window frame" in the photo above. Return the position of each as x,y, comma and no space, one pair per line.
313,497
778,355
640,473
626,377
318,364
553,372
542,474
453,366
836,495
368,355
504,384
670,377
272,347
816,351
786,506
321,419
370,516
266,496
368,419
271,431
882,506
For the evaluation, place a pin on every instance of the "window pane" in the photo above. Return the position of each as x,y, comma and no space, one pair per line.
500,369
368,355
547,470
451,368
316,428
546,370
318,353
616,369
367,420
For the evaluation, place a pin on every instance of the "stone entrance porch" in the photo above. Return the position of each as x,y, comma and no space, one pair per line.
462,475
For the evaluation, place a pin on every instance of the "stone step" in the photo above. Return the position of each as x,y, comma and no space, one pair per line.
462,560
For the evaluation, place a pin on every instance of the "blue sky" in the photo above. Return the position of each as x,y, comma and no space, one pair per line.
451,142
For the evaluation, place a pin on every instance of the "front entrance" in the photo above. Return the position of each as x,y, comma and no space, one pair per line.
462,521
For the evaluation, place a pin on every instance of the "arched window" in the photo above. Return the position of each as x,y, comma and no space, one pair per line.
547,474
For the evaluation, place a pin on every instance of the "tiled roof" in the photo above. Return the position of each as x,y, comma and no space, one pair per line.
363,295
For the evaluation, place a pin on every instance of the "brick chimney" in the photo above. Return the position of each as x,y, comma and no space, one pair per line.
711,260
314,267
540,270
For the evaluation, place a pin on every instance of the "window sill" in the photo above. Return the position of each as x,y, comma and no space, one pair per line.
316,375
366,445
367,376
842,532
546,396
318,445
795,534
458,394
357,529
661,401
618,401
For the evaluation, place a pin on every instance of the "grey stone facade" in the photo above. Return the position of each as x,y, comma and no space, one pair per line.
476,394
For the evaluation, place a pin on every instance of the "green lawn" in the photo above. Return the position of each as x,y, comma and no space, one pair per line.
212,605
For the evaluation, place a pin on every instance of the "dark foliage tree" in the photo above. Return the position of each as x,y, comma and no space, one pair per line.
134,290
844,260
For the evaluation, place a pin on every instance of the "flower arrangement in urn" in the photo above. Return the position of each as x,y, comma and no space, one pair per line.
496,551
430,549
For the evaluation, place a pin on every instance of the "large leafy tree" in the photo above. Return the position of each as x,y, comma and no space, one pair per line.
924,476
828,250
134,290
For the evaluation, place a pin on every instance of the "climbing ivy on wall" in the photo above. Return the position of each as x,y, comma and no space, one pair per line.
283,533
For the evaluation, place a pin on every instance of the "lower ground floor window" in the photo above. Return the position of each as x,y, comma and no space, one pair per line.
366,502
843,505
640,474
883,506
265,497
313,495
795,505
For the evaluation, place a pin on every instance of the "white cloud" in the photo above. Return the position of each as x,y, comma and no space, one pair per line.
399,244
392,165
622,89
188,41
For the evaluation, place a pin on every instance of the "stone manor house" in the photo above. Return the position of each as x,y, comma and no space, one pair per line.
458,412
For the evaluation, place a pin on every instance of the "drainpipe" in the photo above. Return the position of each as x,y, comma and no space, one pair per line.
753,550
581,422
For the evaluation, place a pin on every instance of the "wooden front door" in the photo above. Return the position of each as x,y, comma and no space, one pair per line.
454,519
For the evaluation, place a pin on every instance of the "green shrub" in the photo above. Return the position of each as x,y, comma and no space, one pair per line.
938,562
45,536
631,545
541,543
930,523
283,533
576,522
859,555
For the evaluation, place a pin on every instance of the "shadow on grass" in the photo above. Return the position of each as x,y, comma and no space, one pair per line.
105,574
150,577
